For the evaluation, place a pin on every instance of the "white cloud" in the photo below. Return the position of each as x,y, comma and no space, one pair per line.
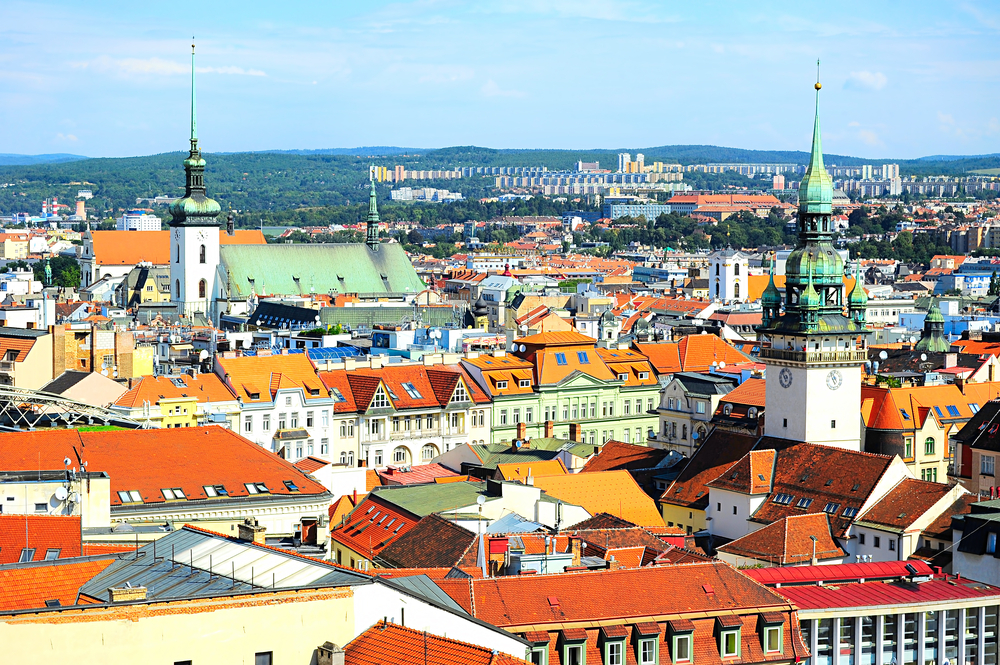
869,137
946,118
865,80
157,67
491,89
66,137
854,123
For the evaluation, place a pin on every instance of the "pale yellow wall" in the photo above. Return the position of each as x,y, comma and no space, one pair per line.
142,360
178,412
683,517
232,630
36,369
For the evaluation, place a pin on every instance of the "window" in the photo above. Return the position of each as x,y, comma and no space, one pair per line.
573,654
772,639
248,424
295,420
593,409
503,416
256,488
991,543
861,539
524,383
517,416
53,554
582,356
877,541
833,424
201,254
849,512
173,493
729,643
986,465
324,418
309,418
378,458
288,400
529,414
265,423
560,358
623,376
803,502
929,446
263,657
892,545
538,656
337,395
428,452
215,490
908,447
647,652
380,401
41,507
831,508
952,410
27,554
643,376
783,499
501,385
130,496
627,408
974,408
682,648
202,288
699,407
613,653
281,421
177,286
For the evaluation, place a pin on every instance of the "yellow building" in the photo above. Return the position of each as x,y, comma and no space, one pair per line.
13,246
180,401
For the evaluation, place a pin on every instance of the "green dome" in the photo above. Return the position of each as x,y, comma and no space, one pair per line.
934,313
195,206
820,260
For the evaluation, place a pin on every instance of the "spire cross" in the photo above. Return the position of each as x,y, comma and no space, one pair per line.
194,116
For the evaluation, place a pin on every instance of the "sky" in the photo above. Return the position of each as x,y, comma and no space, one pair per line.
111,78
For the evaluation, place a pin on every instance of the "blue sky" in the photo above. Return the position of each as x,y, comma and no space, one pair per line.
901,79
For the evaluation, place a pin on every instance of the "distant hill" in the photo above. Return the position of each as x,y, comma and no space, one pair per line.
367,151
7,159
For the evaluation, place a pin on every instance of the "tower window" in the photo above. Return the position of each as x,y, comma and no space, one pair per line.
201,254
202,287
177,287
178,253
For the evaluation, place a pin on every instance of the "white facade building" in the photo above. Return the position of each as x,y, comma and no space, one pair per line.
138,220
728,275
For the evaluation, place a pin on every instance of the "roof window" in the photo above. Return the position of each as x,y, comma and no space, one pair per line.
952,410
290,486
623,376
130,496
337,395
903,413
173,493
803,503
215,490
412,391
256,488
52,554
831,508
560,358
849,511
583,357
782,499
501,385
856,487
973,407
937,410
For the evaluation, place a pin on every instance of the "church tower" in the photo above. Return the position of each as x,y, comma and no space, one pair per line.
194,234
814,349
372,221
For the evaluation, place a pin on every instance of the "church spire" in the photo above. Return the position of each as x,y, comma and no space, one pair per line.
194,108
371,237
816,190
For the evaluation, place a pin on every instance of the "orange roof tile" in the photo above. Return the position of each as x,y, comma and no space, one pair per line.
787,543
311,464
751,392
258,378
28,587
40,533
612,492
389,643
693,353
19,345
520,471
130,248
204,388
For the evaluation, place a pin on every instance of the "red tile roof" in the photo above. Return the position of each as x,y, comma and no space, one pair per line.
41,533
750,392
751,475
522,601
717,453
439,573
311,464
257,379
28,587
19,345
372,526
693,353
414,475
150,460
204,388
389,643
433,542
905,503
787,542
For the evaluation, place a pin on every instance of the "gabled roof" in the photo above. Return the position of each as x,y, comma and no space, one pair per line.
717,453
692,353
389,643
614,492
982,431
30,586
150,460
908,408
905,503
786,542
40,533
432,543
123,247
311,464
257,379
522,471
616,455
750,393
537,600
203,388
372,525
751,475
412,475
941,527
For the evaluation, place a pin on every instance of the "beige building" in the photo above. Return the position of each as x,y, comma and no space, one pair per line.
13,247
687,405
25,357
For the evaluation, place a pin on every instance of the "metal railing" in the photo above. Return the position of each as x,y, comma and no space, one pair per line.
814,356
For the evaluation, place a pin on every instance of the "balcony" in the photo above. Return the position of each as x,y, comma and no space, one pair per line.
814,356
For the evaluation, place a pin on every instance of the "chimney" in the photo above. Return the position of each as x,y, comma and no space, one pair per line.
250,531
522,431
613,563
550,428
576,432
576,546
126,593
950,360
329,654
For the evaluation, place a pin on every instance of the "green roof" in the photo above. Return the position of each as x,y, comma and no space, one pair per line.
493,454
318,268
424,500
370,316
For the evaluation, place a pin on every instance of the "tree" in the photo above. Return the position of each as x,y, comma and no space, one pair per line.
994,285
65,271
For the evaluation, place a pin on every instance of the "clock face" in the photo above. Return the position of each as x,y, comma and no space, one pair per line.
785,377
177,233
202,235
834,379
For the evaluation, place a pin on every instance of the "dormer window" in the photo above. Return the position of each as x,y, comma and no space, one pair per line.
681,640
729,636
643,376
460,394
501,385
772,638
524,383
623,376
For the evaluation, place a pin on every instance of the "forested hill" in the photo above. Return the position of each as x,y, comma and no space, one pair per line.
273,181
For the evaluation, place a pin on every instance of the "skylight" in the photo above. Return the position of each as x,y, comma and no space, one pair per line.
782,499
831,508
952,410
337,395
412,391
803,503
584,359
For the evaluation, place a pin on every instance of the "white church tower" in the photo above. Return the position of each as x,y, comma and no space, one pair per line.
813,351
727,275
194,234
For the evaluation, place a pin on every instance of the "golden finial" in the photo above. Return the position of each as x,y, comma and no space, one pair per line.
818,84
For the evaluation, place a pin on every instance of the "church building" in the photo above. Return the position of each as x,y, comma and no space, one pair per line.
813,351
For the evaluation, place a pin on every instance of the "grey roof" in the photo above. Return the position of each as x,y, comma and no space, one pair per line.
423,500
64,382
190,562
25,333
705,384
423,586
514,523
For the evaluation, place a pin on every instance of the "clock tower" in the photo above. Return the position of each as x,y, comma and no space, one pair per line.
194,234
814,339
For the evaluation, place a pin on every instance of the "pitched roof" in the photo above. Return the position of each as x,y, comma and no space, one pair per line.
203,388
41,533
751,475
389,643
786,542
432,543
521,471
421,473
257,379
751,392
311,464
908,408
150,460
372,526
717,453
536,600
692,353
29,587
941,527
614,492
905,503
124,248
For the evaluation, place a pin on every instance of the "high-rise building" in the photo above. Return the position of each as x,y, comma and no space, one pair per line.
194,251
814,352
624,159
778,182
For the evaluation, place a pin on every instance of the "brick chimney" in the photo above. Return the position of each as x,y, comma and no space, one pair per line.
576,432
576,546
250,531
522,431
550,428
613,563
126,593
329,654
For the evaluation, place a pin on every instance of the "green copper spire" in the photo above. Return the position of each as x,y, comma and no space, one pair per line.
816,190
195,208
371,237
933,339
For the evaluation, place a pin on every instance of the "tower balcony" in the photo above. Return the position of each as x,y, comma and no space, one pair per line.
814,356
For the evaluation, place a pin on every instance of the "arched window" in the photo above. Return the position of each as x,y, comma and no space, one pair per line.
201,254
716,289
428,452
736,290
177,287
736,268
202,288
716,268
178,253
752,412
400,455
929,446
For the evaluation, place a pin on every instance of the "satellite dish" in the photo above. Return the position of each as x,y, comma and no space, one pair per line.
513,347
913,340
61,494
522,348
480,499
722,364
883,355
75,497
923,357
67,461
